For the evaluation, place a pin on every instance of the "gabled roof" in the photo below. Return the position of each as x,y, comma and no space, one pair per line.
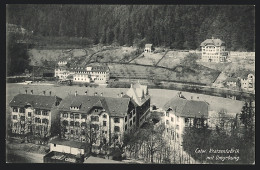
148,45
187,108
36,101
231,79
215,42
113,106
138,93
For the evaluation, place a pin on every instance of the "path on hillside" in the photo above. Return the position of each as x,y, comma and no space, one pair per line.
162,57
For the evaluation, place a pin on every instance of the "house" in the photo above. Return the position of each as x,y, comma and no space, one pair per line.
213,50
139,95
62,62
247,80
34,114
96,119
90,73
231,82
180,112
148,48
61,72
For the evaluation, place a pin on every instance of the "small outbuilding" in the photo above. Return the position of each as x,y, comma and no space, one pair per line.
148,48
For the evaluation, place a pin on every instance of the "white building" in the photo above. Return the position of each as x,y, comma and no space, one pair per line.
248,82
148,48
213,50
180,113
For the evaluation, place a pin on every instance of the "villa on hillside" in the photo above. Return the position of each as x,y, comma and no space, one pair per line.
247,81
213,50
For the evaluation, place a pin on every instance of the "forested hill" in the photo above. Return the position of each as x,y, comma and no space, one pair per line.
180,27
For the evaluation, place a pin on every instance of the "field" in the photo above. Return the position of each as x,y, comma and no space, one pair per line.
148,58
158,96
172,59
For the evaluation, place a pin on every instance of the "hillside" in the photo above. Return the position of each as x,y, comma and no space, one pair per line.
175,26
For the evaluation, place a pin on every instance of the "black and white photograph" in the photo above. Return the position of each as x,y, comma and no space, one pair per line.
130,84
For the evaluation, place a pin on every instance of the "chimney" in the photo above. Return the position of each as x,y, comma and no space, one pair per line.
31,91
101,94
95,94
86,92
50,93
76,93
198,97
122,94
26,91
191,97
44,93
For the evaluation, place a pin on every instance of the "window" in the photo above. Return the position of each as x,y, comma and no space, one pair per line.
116,120
116,128
125,127
21,110
15,109
83,124
126,119
45,121
77,124
72,131
134,112
22,118
76,116
177,127
54,144
130,116
71,123
83,116
15,117
134,119
37,112
65,115
104,123
104,116
167,114
37,120
71,116
177,118
167,122
131,123
45,112
94,118
167,130
96,110
172,119
29,114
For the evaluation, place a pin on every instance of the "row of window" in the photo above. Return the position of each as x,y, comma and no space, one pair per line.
37,120
37,112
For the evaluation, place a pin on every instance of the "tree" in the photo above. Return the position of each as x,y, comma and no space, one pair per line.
17,56
247,115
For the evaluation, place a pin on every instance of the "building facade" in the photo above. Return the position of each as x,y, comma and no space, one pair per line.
213,50
88,74
148,48
180,113
248,82
33,114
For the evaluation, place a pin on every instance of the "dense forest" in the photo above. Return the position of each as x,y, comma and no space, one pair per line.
175,26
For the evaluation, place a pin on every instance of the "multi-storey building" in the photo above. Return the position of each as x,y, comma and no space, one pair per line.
33,114
95,119
180,113
248,82
213,50
91,73
84,74
139,95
